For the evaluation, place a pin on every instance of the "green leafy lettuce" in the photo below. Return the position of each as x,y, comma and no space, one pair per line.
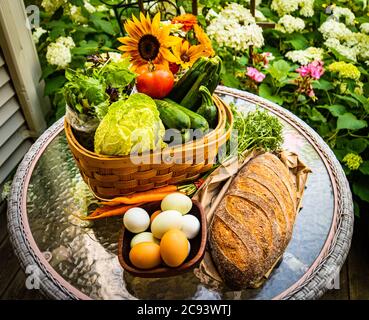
92,90
131,126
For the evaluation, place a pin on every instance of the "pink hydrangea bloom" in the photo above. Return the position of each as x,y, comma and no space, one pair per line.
255,74
314,69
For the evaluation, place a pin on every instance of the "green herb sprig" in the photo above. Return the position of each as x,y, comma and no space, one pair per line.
257,130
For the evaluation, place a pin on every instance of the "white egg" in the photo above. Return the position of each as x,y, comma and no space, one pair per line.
177,201
190,226
136,220
165,221
143,237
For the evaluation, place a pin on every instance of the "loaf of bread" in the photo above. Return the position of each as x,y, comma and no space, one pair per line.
253,223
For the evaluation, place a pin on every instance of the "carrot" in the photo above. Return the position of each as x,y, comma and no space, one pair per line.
148,196
112,213
101,210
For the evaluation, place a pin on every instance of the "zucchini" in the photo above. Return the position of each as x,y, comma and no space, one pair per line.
212,85
208,110
184,84
192,100
197,121
172,117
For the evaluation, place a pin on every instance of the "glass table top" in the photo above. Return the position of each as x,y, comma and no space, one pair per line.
85,253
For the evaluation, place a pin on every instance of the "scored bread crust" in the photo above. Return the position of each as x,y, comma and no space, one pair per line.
253,223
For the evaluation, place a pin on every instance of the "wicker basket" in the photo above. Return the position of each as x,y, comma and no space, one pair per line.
110,177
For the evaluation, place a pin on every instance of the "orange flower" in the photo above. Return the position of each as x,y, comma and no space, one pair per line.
187,20
187,54
204,40
147,41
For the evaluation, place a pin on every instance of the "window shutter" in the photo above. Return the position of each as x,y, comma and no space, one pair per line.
14,137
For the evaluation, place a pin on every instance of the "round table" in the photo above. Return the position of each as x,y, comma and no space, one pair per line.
78,260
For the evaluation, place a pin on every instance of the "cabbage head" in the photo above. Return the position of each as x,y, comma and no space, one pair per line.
131,126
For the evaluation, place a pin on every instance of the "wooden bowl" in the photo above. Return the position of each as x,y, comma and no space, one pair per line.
197,252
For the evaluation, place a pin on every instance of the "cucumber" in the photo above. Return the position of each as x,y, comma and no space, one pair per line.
197,121
172,117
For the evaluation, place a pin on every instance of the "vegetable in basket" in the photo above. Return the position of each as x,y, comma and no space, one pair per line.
90,91
208,110
204,72
131,126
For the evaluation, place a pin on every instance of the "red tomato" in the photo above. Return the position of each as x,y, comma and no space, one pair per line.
156,84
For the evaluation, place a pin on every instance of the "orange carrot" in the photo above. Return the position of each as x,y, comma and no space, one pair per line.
101,210
148,196
112,213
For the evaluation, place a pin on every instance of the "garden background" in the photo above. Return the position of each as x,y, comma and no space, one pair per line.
314,62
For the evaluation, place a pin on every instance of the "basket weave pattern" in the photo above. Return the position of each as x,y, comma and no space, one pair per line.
110,177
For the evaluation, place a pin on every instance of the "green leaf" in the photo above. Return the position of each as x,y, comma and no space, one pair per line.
315,115
364,168
279,70
363,100
298,42
47,71
79,3
350,122
361,189
357,145
337,110
322,84
266,92
230,81
348,99
52,85
104,25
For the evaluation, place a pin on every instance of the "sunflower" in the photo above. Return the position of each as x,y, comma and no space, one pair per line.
147,41
186,20
187,54
204,40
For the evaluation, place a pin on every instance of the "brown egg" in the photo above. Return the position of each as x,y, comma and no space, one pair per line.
154,215
145,255
174,247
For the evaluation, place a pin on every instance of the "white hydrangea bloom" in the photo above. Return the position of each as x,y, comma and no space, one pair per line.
335,29
365,28
306,56
59,54
211,14
67,42
114,56
362,45
290,24
284,7
259,16
349,16
75,13
236,28
51,6
307,8
89,7
36,35
346,51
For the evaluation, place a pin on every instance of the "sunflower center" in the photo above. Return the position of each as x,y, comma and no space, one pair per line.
148,46
185,57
